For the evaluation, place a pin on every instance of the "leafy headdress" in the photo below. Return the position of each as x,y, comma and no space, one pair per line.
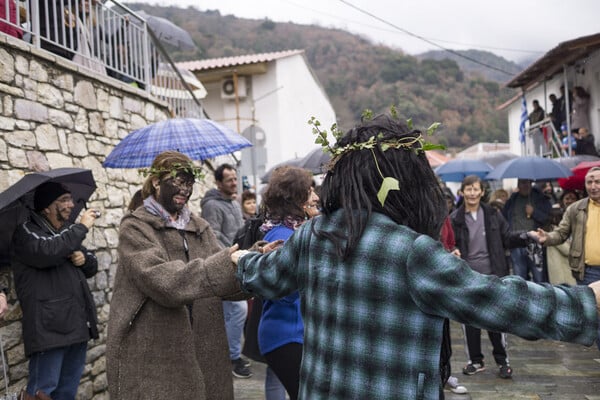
415,143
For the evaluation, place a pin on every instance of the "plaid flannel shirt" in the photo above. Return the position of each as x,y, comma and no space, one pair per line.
373,322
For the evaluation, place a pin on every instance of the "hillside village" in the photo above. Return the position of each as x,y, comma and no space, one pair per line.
64,105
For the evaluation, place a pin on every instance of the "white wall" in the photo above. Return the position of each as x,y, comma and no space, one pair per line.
284,98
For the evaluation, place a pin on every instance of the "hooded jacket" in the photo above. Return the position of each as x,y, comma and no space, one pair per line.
58,308
224,216
153,350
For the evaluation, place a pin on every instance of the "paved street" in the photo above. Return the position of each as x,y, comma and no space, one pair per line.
543,370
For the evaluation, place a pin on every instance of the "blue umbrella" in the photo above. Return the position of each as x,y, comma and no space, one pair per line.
530,167
456,170
199,139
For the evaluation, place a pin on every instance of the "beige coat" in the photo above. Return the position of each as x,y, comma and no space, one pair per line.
572,225
152,350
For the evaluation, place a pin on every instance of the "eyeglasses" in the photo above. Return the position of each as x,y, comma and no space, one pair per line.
180,182
66,198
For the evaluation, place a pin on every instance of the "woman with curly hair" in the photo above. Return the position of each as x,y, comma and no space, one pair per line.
289,201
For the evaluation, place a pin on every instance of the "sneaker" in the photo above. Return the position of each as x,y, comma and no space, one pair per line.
240,370
505,371
242,360
472,369
454,387
246,362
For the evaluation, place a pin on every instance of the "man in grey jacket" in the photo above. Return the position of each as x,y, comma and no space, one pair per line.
224,214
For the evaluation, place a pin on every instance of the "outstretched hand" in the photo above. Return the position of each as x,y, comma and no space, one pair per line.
541,236
258,246
269,247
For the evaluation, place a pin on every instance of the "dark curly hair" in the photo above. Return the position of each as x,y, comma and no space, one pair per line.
354,181
287,192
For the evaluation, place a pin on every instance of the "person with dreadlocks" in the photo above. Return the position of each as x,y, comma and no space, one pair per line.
375,283
166,331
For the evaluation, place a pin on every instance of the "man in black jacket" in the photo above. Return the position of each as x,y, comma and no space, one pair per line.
481,235
50,269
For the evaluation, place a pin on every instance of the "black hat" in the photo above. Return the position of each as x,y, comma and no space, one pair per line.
46,193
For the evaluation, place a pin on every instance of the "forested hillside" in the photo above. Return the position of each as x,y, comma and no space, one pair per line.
502,71
358,74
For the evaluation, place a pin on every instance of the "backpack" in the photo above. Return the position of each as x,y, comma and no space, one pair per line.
249,233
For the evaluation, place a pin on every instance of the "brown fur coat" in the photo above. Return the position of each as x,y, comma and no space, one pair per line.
153,352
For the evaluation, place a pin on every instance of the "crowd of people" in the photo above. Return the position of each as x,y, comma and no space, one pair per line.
355,287
577,140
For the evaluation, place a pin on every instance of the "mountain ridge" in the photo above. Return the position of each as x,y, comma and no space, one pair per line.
358,74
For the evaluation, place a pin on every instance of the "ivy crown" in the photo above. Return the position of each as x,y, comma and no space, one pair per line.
176,168
336,151
416,143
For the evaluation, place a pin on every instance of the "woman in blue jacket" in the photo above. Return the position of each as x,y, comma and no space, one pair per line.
290,201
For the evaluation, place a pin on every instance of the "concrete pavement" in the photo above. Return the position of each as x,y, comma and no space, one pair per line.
543,370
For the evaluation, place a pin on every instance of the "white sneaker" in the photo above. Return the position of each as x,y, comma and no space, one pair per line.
454,387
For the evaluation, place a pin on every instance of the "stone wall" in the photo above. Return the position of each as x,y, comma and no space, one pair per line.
55,114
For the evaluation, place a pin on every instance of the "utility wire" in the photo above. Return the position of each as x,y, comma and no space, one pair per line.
472,45
425,39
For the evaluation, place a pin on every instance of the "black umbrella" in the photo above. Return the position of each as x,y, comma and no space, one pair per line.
314,161
17,199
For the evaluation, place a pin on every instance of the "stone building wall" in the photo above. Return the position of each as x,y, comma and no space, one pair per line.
55,114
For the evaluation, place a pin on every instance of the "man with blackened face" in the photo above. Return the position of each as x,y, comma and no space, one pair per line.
166,330
173,192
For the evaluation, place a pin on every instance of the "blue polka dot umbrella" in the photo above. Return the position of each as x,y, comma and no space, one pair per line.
199,139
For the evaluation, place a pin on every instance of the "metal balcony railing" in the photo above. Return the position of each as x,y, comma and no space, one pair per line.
108,39
543,140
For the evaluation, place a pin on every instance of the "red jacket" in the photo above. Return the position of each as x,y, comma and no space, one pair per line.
447,235
6,27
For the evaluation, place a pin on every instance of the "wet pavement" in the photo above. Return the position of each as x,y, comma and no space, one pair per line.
543,370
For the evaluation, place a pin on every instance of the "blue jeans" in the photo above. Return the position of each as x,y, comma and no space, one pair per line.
235,313
57,372
523,266
591,274
274,389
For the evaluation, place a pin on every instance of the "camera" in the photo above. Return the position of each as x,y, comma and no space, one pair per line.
97,213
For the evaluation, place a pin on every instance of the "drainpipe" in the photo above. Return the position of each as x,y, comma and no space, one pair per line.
237,100
524,143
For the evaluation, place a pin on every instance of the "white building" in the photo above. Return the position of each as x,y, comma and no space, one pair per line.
268,98
572,63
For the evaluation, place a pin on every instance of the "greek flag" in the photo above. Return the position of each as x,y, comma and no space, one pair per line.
523,119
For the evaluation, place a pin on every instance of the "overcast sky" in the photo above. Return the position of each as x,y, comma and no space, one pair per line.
512,28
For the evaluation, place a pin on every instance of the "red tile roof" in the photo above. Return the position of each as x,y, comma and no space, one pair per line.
435,159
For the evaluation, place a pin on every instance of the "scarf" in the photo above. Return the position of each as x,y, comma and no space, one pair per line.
155,208
288,221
